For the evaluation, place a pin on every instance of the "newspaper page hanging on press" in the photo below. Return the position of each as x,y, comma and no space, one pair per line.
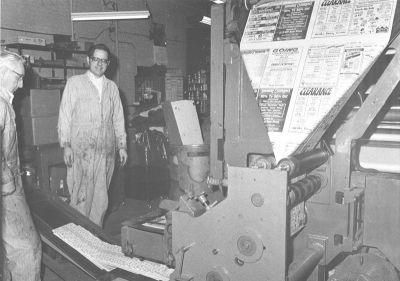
302,56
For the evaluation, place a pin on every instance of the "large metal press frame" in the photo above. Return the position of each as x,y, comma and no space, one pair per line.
352,213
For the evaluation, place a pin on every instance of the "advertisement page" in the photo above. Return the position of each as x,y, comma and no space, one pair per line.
302,56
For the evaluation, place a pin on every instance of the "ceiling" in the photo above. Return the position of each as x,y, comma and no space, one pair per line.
196,9
199,6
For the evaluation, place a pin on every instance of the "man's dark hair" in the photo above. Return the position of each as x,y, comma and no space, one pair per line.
99,47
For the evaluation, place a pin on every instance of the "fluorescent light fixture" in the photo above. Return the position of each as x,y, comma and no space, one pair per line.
219,1
206,20
120,15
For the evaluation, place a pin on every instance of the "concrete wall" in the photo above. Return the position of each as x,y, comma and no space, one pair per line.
42,18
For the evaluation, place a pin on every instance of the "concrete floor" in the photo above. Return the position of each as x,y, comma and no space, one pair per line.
130,195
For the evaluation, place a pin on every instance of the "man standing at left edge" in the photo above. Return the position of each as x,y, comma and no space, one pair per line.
21,243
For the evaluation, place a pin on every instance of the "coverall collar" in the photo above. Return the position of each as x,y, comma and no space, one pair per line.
7,95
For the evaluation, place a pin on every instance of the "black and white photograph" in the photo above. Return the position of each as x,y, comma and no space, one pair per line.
200,140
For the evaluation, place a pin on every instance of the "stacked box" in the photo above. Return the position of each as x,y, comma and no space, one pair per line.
39,112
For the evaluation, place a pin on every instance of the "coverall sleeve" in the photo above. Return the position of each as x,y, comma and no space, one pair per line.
6,175
119,121
65,116
2,126
3,112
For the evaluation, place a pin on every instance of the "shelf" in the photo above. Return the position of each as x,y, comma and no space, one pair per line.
48,48
52,64
41,65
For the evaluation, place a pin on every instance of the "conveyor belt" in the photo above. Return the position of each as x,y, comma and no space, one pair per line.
49,213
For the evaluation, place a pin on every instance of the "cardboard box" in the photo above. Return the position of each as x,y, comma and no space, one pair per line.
44,157
40,103
39,130
182,123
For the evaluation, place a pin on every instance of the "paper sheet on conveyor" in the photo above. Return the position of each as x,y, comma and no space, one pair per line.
302,56
107,256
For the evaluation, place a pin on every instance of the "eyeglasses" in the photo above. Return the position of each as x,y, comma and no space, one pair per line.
99,60
20,76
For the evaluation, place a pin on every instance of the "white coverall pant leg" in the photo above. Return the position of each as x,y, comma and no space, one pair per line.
20,239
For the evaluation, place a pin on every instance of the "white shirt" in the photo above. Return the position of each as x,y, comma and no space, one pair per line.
97,82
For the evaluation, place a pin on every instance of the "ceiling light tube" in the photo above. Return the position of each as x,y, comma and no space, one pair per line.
206,20
120,15
219,1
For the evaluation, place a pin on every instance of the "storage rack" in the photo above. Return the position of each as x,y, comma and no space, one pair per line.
198,90
52,49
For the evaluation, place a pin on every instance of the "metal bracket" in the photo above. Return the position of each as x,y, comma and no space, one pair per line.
177,274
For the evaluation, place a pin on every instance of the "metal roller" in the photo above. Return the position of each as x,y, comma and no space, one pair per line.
302,267
382,156
300,164
384,134
304,189
392,114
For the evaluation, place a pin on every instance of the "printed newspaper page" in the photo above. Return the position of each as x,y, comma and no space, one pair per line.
302,56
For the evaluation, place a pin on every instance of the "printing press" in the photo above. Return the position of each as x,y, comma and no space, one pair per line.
328,211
